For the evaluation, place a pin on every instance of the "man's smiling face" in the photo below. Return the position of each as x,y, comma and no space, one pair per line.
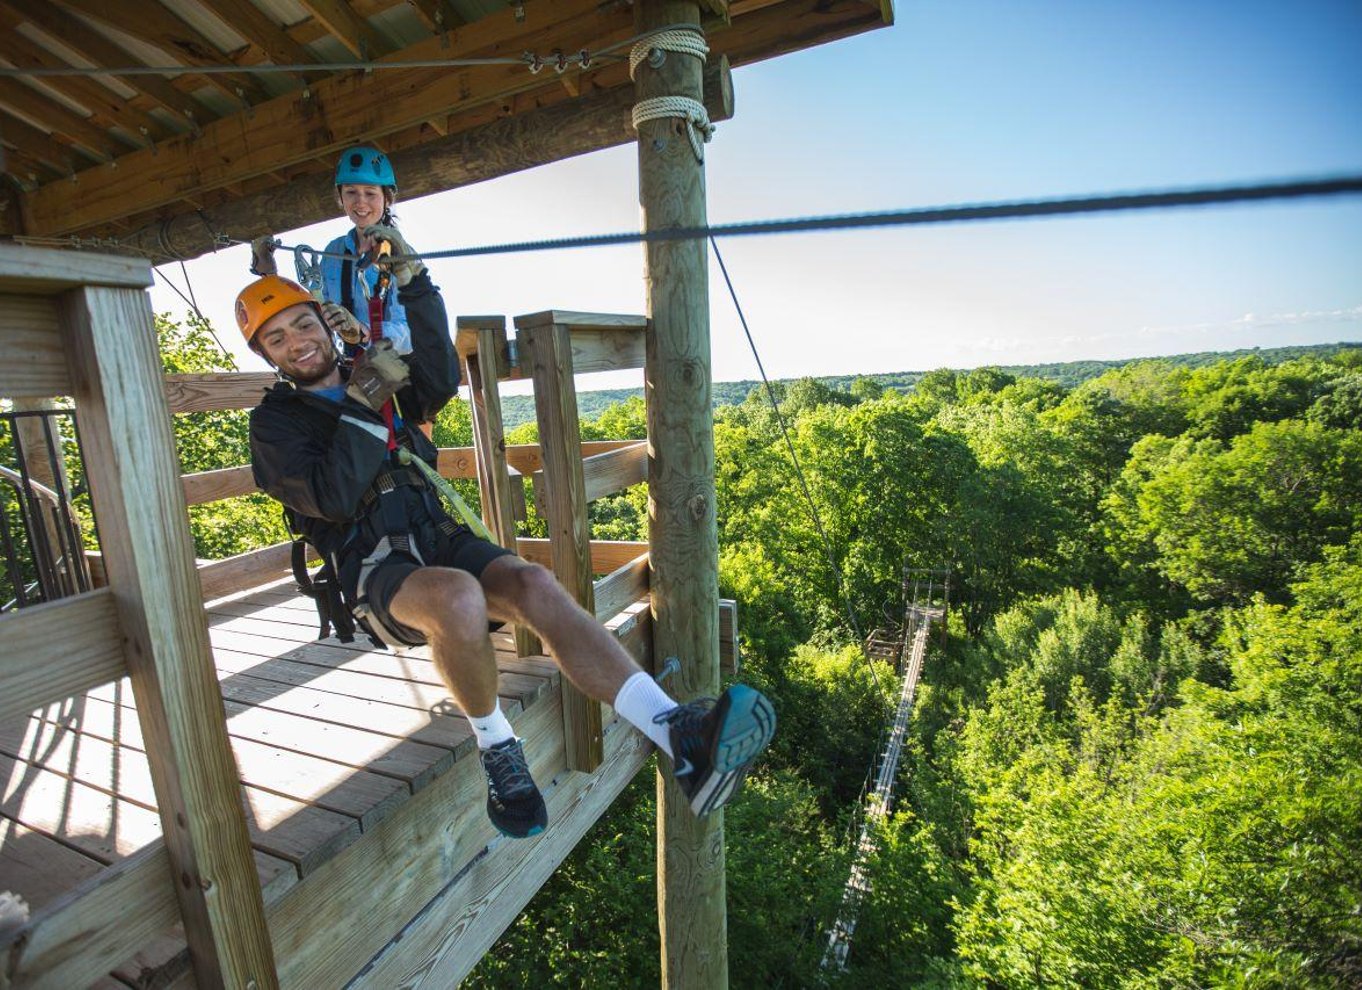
297,343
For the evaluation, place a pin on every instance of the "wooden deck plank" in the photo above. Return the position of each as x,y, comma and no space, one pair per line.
38,868
107,789
393,691
410,762
84,817
120,766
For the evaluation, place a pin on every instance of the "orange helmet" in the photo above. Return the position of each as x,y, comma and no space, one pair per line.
264,298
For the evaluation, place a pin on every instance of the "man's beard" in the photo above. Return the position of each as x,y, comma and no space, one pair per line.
303,381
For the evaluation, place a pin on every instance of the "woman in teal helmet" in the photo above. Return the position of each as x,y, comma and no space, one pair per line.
366,189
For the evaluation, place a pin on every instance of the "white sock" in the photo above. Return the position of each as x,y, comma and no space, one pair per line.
640,700
491,728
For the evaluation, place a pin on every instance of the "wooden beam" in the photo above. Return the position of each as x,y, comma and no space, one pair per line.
209,486
129,449
353,31
443,944
98,99
605,474
248,570
72,943
30,332
505,145
483,368
80,639
326,117
547,352
56,118
76,34
439,15
59,157
159,26
212,391
257,27
683,535
622,587
39,272
729,660
606,555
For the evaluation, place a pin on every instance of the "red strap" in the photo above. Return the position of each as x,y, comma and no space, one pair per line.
376,333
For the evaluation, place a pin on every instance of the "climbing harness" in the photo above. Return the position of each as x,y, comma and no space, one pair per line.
451,494
686,39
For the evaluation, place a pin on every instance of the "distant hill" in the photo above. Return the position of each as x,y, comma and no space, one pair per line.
517,409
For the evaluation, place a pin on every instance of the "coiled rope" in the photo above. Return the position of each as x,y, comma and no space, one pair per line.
685,40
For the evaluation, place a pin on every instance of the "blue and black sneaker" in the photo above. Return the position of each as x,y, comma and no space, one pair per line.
513,801
715,741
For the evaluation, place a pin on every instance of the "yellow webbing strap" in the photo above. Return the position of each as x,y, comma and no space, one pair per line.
469,517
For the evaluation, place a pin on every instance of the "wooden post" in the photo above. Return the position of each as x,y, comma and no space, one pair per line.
135,483
692,915
548,349
482,344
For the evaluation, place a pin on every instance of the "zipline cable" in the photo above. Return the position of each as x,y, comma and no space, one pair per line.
799,472
928,215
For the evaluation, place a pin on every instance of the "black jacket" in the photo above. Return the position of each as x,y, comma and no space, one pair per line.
319,457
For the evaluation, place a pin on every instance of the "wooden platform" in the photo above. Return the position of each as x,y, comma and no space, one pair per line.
330,739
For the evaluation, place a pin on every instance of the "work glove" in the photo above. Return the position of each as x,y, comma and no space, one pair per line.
378,375
343,322
262,255
403,271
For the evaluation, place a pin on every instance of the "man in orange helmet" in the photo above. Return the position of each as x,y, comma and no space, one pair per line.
327,441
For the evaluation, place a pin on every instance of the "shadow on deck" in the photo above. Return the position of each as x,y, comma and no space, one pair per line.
330,740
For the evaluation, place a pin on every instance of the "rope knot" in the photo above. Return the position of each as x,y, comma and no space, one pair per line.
685,39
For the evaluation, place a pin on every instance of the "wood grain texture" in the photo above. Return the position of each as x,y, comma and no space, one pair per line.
58,649
247,570
547,351
338,111
129,454
484,363
186,393
43,271
209,486
441,946
544,126
683,534
35,357
604,474
622,587
729,660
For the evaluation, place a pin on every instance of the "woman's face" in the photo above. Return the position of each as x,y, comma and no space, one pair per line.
362,204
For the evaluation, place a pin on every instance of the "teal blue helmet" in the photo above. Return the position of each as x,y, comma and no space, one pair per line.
364,165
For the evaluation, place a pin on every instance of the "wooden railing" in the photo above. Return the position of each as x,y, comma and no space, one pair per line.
80,326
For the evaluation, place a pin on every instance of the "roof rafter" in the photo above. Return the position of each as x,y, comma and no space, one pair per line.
98,99
334,113
158,26
57,118
76,34
439,15
352,30
258,28
36,144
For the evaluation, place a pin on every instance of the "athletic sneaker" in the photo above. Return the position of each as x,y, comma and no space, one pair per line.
513,801
714,742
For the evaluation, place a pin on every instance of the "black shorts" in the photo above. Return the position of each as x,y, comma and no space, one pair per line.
463,551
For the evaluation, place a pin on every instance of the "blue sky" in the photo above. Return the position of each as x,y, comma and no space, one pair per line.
959,102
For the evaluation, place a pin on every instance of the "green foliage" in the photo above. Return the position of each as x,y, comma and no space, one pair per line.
209,441
1230,521
1136,761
